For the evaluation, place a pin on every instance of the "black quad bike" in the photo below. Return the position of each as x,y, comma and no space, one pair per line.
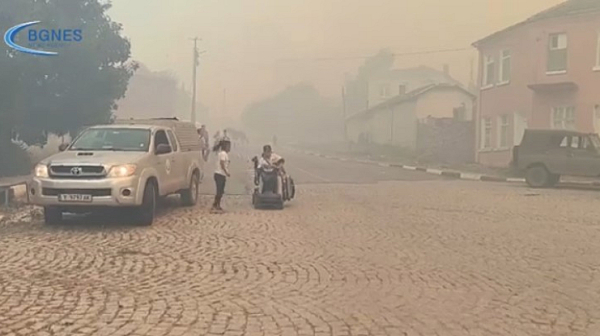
271,190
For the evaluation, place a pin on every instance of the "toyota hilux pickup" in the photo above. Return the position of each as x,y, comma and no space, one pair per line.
128,164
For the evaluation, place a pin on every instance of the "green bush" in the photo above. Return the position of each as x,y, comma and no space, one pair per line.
14,161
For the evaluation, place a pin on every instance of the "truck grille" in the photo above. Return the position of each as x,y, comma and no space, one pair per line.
93,192
77,172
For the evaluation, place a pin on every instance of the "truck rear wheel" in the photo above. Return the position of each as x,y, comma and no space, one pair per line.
189,197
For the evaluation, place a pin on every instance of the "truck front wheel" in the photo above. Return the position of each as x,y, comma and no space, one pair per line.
147,211
52,215
538,177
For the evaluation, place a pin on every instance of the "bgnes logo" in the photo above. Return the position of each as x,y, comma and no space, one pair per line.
41,38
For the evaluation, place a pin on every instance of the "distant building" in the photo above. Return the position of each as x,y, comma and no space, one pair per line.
400,81
543,72
395,121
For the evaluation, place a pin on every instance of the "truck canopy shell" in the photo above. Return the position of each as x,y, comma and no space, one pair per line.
186,132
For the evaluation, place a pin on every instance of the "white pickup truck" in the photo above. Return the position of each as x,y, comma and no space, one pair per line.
131,163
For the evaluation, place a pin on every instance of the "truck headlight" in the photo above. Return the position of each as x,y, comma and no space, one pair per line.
41,170
122,170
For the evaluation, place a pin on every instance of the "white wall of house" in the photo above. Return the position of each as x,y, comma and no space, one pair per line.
395,125
405,125
440,103
381,127
354,127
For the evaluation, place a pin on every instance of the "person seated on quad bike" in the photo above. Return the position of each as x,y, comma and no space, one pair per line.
270,161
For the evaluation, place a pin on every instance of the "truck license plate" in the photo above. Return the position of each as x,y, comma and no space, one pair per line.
74,198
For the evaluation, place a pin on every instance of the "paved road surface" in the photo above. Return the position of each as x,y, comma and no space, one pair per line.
305,169
363,250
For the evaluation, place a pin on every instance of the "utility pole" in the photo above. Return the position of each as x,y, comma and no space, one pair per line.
392,125
224,102
344,114
196,60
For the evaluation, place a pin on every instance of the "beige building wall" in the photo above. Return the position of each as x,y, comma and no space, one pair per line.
395,125
441,104
405,125
354,128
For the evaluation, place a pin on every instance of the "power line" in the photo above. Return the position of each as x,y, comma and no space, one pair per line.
425,52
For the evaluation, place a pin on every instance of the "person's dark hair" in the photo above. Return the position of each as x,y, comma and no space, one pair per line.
267,148
220,145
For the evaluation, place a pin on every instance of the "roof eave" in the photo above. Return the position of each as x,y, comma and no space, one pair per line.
409,97
530,20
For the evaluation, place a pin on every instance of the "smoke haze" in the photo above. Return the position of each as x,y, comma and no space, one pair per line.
257,48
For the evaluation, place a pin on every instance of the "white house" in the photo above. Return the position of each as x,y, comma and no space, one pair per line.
394,121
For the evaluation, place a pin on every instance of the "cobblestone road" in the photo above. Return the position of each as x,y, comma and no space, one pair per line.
422,257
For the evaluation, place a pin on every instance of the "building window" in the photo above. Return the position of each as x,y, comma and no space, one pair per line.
402,89
384,90
563,117
505,67
486,133
503,126
489,72
557,53
460,113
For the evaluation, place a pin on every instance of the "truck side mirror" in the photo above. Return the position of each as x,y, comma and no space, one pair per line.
163,149
63,147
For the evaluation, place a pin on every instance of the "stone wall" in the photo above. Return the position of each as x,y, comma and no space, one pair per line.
446,140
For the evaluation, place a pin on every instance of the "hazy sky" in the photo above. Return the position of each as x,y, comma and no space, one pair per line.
257,47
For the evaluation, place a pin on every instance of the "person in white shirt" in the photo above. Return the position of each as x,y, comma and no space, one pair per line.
221,172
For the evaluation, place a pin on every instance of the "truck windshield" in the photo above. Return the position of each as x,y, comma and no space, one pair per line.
113,139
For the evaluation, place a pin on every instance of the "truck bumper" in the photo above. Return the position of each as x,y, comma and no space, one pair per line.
118,192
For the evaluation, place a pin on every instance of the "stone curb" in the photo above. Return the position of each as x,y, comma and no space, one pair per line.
446,173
